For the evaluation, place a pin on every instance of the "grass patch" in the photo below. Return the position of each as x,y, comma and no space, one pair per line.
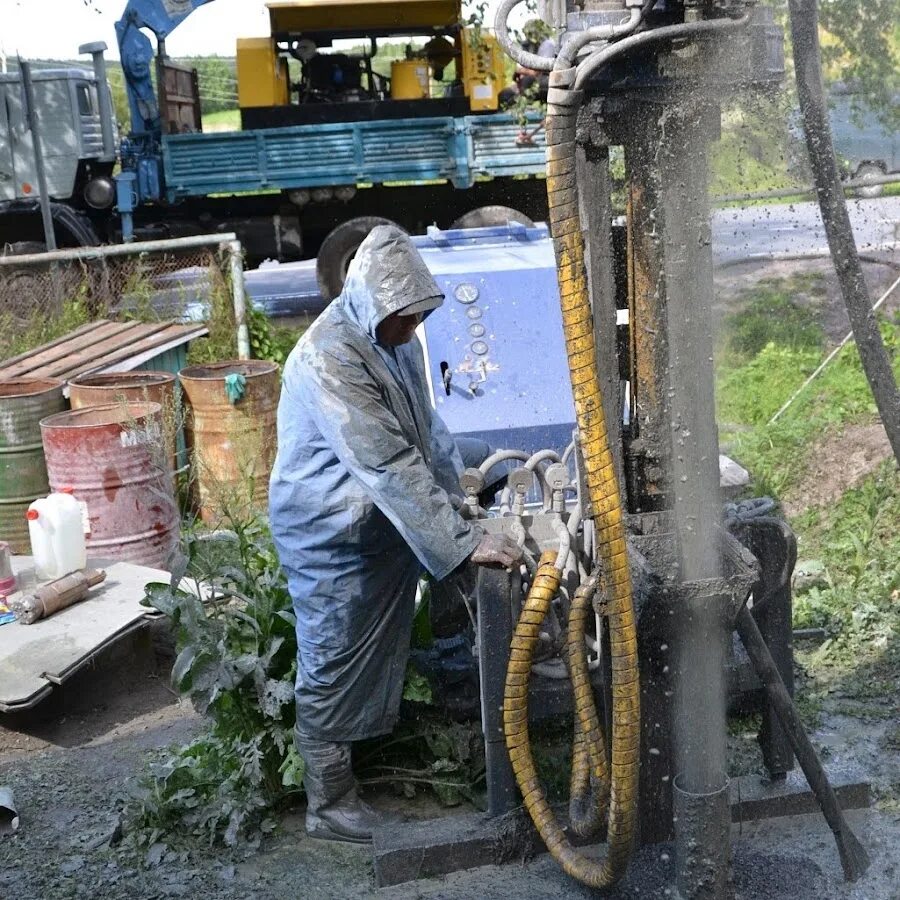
768,347
773,315
858,666
223,120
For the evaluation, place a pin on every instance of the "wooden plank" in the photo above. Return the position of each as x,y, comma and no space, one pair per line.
151,342
39,364
58,349
6,363
135,362
75,363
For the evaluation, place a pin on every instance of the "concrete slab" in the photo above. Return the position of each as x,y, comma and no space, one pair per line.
35,657
417,850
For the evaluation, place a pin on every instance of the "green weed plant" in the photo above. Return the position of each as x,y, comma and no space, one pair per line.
236,662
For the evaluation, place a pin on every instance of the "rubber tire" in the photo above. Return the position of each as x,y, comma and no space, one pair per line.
487,216
869,170
338,248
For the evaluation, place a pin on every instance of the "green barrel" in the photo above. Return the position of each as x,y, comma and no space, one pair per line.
23,472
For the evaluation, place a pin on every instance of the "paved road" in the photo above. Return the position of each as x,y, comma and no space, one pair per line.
738,234
777,230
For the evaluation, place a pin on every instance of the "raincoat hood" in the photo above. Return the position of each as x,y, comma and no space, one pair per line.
386,276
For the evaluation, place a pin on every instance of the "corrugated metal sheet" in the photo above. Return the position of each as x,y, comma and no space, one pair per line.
101,346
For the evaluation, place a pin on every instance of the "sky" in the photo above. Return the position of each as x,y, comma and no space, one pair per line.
53,29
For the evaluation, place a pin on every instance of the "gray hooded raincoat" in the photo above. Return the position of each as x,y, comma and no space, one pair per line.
359,495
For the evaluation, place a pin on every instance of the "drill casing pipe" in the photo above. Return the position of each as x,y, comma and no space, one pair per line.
56,596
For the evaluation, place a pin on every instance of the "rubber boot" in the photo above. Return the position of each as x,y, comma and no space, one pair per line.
334,811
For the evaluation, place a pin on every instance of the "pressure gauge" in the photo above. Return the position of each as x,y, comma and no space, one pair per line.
479,348
466,292
474,312
476,329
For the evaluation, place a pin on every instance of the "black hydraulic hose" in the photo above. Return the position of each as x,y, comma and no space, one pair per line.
814,112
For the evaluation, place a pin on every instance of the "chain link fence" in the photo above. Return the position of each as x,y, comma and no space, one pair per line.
46,295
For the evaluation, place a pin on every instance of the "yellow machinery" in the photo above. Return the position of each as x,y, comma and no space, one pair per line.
357,16
301,28
262,74
483,70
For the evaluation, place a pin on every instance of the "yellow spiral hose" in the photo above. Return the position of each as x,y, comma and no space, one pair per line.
603,492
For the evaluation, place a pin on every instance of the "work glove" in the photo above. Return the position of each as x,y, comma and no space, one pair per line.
497,551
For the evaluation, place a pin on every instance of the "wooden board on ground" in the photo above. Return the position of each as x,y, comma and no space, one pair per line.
101,346
35,657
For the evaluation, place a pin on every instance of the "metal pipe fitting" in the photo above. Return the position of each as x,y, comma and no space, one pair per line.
523,57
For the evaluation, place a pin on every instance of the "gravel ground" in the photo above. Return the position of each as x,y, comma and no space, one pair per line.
69,771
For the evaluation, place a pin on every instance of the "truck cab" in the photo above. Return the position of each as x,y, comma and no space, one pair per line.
79,162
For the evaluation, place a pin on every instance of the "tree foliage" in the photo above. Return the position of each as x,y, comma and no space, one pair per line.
862,47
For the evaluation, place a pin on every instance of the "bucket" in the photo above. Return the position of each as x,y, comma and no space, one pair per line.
410,79
23,473
232,445
119,387
113,459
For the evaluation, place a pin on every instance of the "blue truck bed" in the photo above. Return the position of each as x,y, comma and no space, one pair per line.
458,150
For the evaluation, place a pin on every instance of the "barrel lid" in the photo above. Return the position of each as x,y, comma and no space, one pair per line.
28,387
221,370
105,414
121,379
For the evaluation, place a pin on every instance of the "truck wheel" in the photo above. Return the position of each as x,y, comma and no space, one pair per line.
486,216
338,248
864,173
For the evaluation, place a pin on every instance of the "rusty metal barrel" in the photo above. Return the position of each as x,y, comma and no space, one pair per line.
115,461
23,473
120,387
232,443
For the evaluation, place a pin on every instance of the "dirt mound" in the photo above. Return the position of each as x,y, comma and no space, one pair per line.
838,464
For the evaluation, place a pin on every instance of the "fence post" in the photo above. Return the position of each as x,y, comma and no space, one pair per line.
37,141
236,259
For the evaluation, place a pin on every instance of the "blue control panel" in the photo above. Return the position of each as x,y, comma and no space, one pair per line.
495,349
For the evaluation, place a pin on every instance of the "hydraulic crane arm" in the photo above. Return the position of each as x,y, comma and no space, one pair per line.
161,17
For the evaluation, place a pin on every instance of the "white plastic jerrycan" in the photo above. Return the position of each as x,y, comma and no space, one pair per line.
56,528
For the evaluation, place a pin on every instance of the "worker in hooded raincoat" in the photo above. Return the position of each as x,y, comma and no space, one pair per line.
360,505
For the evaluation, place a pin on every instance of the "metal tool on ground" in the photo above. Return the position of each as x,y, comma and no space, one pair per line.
57,595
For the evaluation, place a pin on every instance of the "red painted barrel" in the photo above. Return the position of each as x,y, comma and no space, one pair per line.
118,387
115,460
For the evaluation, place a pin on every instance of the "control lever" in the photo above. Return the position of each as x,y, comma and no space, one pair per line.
446,376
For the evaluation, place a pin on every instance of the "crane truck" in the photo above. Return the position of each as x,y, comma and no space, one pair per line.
328,147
